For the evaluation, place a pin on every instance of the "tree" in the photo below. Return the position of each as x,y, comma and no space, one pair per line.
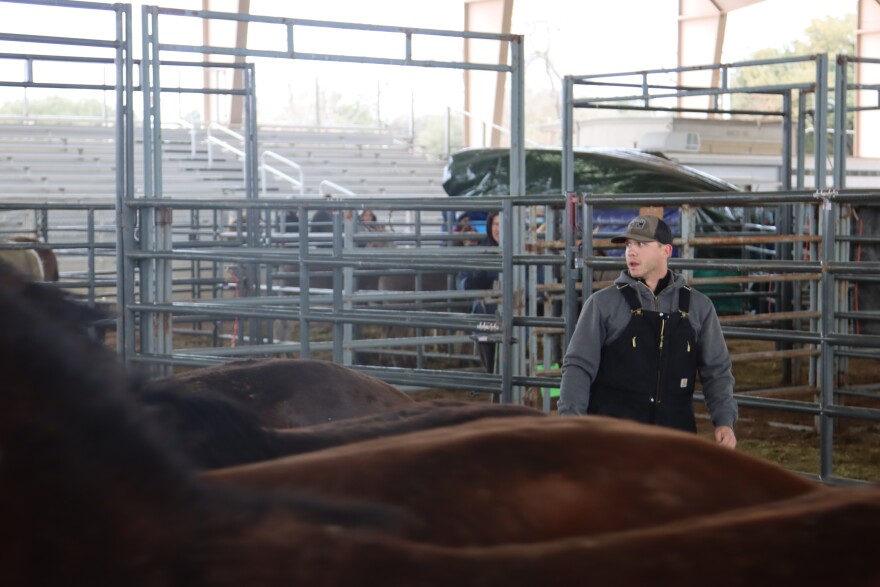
57,106
830,35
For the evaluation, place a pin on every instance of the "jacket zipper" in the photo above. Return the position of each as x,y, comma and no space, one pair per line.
660,366
657,396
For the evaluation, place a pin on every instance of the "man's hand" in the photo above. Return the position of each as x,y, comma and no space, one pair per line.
725,437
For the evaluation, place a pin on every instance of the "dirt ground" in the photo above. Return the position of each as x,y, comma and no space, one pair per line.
791,439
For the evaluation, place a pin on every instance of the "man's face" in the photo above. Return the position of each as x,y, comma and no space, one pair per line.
648,260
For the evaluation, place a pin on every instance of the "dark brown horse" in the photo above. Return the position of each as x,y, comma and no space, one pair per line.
91,494
215,432
287,393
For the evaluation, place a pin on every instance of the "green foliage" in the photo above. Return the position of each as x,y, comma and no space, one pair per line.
355,113
829,35
57,106
349,111
431,132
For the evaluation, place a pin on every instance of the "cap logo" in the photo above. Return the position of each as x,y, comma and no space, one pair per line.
638,224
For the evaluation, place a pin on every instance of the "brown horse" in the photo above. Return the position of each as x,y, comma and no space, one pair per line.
91,494
214,432
566,477
27,261
48,260
38,263
287,393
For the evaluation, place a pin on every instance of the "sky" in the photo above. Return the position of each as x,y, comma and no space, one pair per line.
577,37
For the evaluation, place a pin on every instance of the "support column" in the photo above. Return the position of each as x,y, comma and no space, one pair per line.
487,16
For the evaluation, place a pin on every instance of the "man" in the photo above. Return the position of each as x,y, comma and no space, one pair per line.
639,343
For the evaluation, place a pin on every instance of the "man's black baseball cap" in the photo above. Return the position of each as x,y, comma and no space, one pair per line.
646,229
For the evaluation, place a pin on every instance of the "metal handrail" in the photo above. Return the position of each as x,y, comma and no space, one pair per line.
264,167
212,140
191,127
334,186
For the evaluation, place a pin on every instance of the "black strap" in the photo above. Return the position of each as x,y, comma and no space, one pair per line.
684,300
635,304
631,297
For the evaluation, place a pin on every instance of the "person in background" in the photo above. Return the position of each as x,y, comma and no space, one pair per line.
463,226
639,343
322,219
368,222
368,219
291,222
484,279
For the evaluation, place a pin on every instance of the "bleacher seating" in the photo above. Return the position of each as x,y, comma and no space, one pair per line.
70,161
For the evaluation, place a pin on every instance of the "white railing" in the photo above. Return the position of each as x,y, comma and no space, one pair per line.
299,183
192,135
326,187
211,140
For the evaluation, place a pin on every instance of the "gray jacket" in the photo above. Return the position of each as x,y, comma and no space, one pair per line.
605,316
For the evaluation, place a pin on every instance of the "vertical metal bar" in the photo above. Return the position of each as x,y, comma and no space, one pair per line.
785,180
826,292
511,234
826,398
147,215
90,259
252,190
338,332
549,341
570,271
840,111
125,216
688,229
784,227
842,248
815,301
349,285
162,217
820,124
507,296
567,97
304,308
801,140
582,268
